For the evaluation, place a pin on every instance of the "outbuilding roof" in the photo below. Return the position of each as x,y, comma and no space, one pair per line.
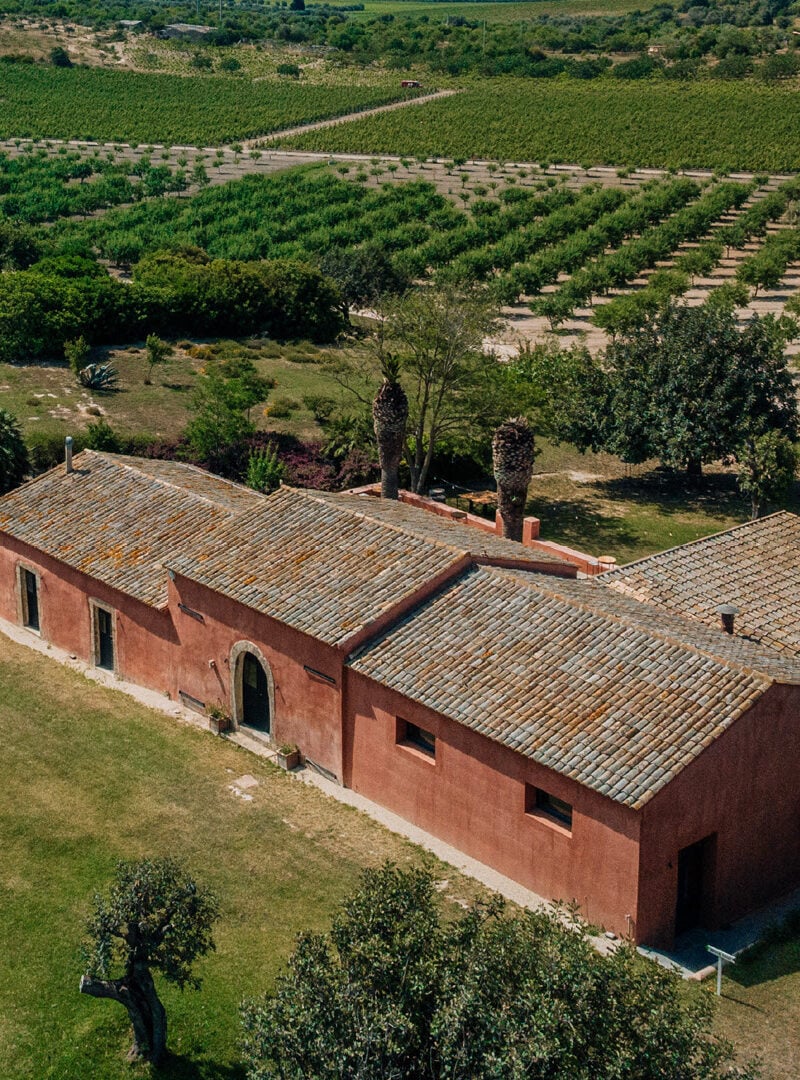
328,565
605,690
332,565
755,567
117,519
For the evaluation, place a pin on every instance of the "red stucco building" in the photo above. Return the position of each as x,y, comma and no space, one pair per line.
602,740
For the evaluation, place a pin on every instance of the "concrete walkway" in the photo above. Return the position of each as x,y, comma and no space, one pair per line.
690,955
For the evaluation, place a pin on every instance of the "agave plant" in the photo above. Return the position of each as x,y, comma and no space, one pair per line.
389,417
99,377
513,451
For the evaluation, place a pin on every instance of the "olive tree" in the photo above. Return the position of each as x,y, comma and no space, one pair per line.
154,918
399,988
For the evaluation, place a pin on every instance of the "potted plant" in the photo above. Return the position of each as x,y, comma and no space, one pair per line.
288,756
218,719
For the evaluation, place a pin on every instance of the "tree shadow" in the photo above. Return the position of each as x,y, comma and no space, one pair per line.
181,1067
578,522
713,493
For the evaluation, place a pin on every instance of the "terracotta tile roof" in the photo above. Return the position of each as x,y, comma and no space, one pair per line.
325,569
755,567
117,519
619,700
327,565
430,526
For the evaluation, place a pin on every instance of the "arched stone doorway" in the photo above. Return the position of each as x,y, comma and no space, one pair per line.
252,688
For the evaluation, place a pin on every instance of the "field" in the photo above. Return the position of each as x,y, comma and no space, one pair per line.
90,776
504,12
579,248
96,103
713,125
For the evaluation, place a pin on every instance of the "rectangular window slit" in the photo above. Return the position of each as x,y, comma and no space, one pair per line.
191,613
411,735
539,802
319,675
191,702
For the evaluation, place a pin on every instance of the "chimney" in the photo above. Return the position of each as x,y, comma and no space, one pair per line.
68,453
727,614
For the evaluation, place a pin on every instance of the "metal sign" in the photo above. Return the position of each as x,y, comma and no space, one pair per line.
729,958
722,958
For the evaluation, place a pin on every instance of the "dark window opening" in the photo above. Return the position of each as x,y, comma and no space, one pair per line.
255,694
417,737
105,639
538,801
30,600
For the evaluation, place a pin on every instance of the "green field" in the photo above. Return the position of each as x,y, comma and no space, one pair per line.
120,106
503,12
89,776
711,124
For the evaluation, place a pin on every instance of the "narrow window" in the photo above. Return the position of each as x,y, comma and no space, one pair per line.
30,600
417,737
539,802
104,631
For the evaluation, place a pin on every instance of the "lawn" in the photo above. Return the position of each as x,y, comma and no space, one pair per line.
90,776
596,504
760,1008
507,11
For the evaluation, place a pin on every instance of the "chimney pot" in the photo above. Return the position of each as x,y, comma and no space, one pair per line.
68,453
727,614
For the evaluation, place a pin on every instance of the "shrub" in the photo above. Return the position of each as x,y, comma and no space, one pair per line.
264,470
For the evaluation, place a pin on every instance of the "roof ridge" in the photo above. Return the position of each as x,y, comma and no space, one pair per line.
654,630
128,462
619,570
310,493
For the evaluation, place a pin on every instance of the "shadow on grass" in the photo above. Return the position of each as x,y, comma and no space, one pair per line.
578,522
715,494
776,956
179,1067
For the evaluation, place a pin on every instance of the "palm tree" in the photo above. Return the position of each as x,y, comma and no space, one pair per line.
389,417
513,452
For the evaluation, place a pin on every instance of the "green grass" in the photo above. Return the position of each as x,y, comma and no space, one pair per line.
96,103
48,401
90,776
760,1008
709,124
630,519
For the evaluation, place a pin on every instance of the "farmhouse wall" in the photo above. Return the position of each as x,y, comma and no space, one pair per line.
307,706
472,795
743,790
170,650
145,638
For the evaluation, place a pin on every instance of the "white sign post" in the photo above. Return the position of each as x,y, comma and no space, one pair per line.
722,958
